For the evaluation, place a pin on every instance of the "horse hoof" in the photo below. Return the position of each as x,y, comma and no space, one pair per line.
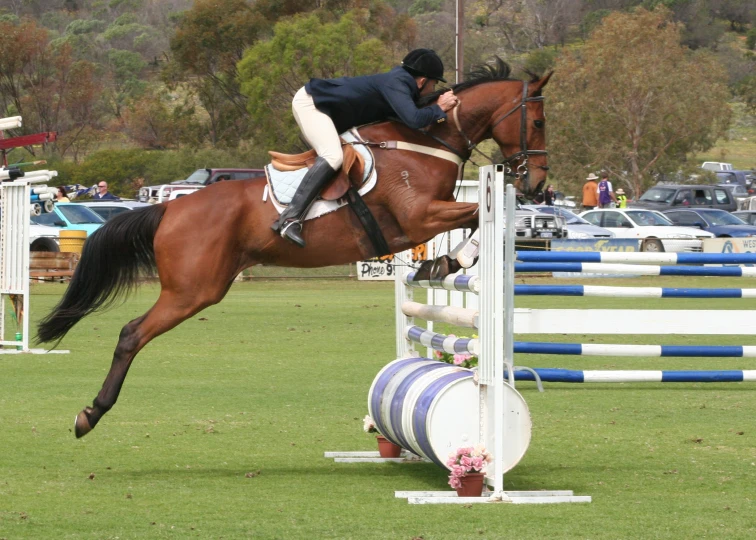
433,270
81,425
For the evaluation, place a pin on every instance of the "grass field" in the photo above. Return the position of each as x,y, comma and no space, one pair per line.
222,423
739,147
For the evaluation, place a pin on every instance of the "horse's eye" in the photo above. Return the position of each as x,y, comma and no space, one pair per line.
539,124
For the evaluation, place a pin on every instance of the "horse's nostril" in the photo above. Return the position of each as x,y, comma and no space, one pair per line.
545,167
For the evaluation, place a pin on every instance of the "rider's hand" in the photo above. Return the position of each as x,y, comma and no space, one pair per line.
448,101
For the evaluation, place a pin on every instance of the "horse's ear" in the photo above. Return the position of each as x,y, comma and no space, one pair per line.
540,83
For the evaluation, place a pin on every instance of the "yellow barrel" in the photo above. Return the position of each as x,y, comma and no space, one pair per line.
72,240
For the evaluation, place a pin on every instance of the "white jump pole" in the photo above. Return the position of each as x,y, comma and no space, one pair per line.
14,259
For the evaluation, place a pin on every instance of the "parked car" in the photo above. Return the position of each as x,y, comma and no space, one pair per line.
653,228
567,201
740,194
108,209
667,196
717,222
716,166
747,216
43,238
529,224
197,180
70,216
741,178
577,227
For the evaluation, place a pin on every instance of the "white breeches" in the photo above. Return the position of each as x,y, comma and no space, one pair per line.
317,128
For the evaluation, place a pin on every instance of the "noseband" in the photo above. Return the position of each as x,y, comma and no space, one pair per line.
522,155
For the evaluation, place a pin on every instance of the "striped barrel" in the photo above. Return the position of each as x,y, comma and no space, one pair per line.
432,408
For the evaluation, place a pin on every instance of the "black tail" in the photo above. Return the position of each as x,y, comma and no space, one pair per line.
113,259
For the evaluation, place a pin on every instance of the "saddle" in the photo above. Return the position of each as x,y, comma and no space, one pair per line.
351,172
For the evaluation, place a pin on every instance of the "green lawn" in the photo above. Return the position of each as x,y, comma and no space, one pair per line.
739,147
222,423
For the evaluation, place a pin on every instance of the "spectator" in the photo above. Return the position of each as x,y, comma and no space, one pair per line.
549,196
590,199
62,195
103,193
621,198
605,193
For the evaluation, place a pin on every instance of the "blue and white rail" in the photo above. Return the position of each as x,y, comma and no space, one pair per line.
630,292
632,376
464,345
635,257
635,269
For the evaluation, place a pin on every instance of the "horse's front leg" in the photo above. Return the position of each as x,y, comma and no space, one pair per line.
446,216
442,216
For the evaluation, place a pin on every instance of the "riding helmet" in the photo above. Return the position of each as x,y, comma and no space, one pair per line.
426,63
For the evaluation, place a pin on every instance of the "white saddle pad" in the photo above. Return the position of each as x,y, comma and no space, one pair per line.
285,183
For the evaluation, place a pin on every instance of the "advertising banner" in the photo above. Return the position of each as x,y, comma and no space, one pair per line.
729,245
598,244
382,268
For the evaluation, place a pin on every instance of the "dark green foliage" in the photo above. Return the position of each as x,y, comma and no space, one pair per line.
751,39
80,26
540,61
425,6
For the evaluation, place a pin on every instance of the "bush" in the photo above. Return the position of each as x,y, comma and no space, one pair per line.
751,39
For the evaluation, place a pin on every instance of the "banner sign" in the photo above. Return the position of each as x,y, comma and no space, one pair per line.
383,268
729,245
597,244
624,245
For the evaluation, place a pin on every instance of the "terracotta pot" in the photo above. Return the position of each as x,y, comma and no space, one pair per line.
387,449
472,485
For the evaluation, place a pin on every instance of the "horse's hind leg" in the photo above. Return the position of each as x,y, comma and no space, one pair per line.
170,310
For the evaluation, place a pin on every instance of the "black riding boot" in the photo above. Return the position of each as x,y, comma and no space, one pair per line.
289,223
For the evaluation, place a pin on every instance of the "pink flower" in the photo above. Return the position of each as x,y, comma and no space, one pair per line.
466,462
455,482
438,354
477,464
460,359
464,451
456,470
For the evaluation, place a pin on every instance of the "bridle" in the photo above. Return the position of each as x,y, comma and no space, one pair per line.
521,171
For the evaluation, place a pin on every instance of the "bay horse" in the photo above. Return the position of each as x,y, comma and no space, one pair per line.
412,202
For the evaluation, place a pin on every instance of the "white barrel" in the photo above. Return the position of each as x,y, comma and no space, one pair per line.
432,408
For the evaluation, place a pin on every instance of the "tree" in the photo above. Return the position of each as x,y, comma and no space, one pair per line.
634,101
43,83
209,41
303,47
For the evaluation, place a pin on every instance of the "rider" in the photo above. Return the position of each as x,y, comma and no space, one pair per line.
323,108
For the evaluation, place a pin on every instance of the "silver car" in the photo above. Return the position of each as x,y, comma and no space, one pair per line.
577,227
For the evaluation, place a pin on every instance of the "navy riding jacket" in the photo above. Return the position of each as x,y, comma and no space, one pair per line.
354,101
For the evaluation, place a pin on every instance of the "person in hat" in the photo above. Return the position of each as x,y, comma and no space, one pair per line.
590,192
323,108
621,198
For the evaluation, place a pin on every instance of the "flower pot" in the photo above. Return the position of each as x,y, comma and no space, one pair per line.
472,485
387,449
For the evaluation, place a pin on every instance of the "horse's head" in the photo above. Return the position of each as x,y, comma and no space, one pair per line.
507,110
518,125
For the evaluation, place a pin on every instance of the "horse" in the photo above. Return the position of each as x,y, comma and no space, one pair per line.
412,202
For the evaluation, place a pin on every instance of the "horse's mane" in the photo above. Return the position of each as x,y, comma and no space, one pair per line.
497,70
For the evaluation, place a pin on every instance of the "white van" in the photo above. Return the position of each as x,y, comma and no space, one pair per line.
716,166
